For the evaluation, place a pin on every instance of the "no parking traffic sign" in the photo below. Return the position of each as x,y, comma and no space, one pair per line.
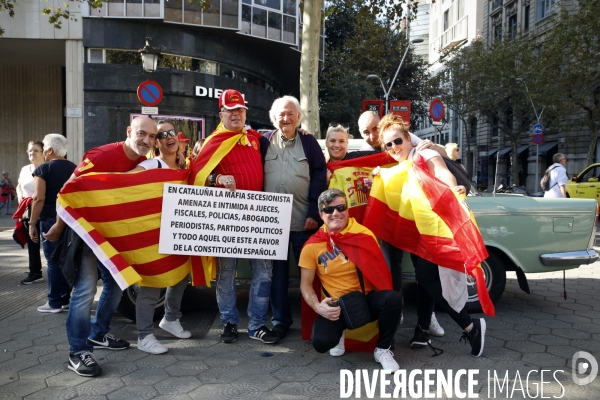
150,93
436,110
538,138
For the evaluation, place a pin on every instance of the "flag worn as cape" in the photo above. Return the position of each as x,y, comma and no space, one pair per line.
360,246
20,232
418,213
353,177
216,146
118,217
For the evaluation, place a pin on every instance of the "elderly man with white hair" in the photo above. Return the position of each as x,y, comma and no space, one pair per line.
293,164
48,178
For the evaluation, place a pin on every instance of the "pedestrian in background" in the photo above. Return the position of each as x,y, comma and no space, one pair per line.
48,179
557,180
7,191
25,189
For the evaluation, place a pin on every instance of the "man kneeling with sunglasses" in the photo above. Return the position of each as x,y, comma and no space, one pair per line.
346,258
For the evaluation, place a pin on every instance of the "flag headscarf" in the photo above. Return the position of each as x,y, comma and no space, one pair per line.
418,213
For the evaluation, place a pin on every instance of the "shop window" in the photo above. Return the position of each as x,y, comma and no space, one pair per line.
123,57
134,8
289,29
246,19
212,15
174,10
116,8
274,27
259,22
229,18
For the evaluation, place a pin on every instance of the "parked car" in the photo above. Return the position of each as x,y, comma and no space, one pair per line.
522,234
586,185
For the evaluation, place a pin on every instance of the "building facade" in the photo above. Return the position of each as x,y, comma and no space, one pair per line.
92,67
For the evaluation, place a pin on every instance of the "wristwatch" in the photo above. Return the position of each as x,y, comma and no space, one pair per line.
212,178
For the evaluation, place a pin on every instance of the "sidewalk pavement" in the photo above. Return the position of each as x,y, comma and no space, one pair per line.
529,333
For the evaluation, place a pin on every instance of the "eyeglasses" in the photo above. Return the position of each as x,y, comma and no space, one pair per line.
239,110
398,141
164,134
331,209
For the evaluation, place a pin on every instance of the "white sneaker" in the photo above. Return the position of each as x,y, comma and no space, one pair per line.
174,328
340,349
385,357
47,309
151,345
435,329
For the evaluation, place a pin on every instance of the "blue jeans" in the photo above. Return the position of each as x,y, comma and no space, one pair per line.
260,289
280,301
58,288
7,203
79,326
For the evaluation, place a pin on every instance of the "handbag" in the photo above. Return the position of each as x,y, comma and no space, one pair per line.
461,175
354,306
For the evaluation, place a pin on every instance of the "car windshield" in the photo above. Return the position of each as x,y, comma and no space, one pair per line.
591,175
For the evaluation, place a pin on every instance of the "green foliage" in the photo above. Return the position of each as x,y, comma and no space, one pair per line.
7,5
359,44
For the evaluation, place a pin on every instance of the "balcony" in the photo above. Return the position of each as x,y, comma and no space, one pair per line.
452,36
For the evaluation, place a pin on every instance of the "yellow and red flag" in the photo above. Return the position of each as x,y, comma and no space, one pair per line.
418,213
360,246
353,177
118,217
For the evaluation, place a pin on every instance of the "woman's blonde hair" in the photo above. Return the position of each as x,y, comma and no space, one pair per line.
392,121
337,128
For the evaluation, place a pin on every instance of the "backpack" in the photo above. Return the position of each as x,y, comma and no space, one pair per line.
461,175
545,181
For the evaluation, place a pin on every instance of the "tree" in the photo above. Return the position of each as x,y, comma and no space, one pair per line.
570,55
359,44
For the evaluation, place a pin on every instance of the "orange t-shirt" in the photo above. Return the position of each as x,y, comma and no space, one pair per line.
337,273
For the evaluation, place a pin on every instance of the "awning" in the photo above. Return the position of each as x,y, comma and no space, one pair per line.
547,146
505,150
522,148
492,152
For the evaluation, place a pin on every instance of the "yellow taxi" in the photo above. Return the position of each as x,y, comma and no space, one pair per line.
586,185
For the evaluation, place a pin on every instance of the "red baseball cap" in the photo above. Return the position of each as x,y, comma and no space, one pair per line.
231,99
182,138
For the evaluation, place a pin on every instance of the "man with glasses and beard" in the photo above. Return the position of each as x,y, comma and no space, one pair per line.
85,335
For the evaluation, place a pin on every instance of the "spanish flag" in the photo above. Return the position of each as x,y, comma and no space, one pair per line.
353,177
360,246
418,213
118,217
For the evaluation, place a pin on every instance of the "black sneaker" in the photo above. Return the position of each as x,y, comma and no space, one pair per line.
32,278
230,333
421,338
476,336
263,334
280,330
84,364
108,342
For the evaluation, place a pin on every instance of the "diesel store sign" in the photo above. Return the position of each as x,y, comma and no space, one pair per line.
201,91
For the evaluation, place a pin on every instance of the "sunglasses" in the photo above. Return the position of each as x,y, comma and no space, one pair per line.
398,141
164,134
331,209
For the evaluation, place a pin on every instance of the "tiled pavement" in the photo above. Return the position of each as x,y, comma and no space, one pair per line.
530,332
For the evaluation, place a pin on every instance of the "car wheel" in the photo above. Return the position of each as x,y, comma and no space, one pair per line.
495,281
128,300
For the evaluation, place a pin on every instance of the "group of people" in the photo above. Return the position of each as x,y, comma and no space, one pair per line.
284,160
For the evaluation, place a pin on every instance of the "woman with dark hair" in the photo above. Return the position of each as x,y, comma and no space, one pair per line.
25,189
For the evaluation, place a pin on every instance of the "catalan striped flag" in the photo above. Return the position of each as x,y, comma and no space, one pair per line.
416,212
353,177
360,246
118,217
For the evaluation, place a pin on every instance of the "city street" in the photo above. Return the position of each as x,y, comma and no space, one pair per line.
536,332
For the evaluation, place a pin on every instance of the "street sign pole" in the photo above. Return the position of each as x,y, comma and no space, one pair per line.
537,166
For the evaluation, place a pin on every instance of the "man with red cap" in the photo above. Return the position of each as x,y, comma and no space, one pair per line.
230,157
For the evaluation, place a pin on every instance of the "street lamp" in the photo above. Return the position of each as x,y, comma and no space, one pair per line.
149,57
386,93
537,116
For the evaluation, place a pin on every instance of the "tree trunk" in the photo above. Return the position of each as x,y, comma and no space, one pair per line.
309,66
593,138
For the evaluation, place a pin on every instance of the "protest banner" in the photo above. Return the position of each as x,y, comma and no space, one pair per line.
209,221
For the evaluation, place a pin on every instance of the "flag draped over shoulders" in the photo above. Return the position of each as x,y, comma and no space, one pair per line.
118,217
360,246
418,213
353,177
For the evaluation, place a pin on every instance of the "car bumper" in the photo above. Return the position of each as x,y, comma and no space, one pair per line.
569,258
